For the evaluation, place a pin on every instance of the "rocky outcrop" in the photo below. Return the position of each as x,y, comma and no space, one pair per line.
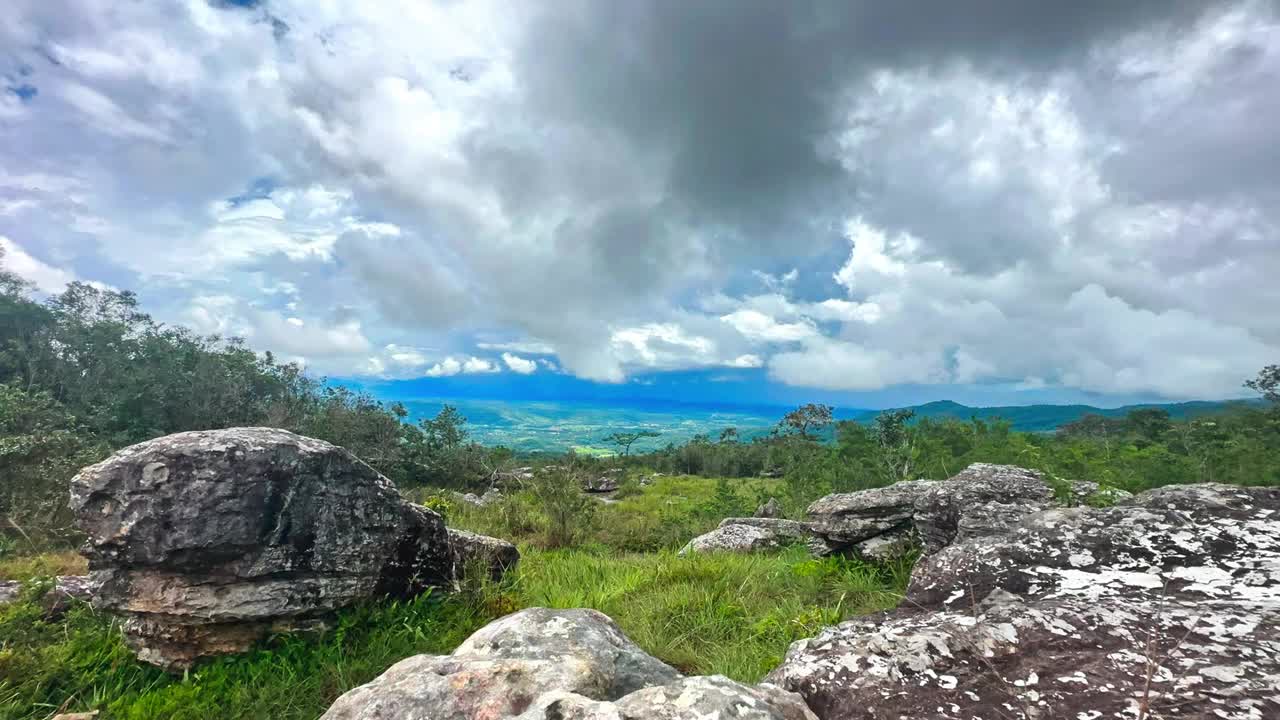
869,522
541,664
487,555
204,541
751,534
981,500
1167,605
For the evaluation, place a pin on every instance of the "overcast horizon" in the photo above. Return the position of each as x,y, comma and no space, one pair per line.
866,203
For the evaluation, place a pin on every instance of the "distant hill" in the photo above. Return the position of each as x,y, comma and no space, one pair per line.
1046,418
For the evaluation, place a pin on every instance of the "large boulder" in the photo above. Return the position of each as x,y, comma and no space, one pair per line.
1167,605
541,664
205,541
751,534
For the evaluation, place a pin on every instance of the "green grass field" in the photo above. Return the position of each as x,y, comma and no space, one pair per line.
718,613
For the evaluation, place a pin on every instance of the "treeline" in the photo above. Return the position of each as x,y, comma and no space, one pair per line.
86,372
1142,450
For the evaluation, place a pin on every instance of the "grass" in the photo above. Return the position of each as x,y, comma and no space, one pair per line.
709,613
65,562
718,613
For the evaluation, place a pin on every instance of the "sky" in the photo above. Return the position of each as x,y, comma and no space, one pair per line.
996,201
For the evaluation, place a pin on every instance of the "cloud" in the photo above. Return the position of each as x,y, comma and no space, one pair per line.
43,276
852,195
517,364
467,365
756,325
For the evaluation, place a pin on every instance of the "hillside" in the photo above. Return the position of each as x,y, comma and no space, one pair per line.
1046,418
550,426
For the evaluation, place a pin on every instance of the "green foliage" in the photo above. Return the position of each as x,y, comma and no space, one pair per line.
1144,449
1267,384
438,503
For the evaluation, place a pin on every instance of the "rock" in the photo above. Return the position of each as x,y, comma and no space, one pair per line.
601,484
983,499
1167,605
65,592
750,535
695,698
207,540
541,664
491,496
1187,536
872,522
586,635
770,509
492,556
468,498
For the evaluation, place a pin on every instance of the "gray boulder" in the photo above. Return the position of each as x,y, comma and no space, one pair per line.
1165,606
481,553
541,664
751,534
205,541
770,509
982,499
871,522
602,484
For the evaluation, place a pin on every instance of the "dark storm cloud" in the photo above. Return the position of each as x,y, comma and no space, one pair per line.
741,96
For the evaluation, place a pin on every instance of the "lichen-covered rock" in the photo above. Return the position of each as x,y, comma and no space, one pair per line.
588,635
541,664
981,500
751,534
713,697
207,540
1165,606
1198,542
475,552
869,521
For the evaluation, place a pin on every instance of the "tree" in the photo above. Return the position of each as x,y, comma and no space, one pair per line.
806,420
1267,384
1149,424
625,440
729,435
896,443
